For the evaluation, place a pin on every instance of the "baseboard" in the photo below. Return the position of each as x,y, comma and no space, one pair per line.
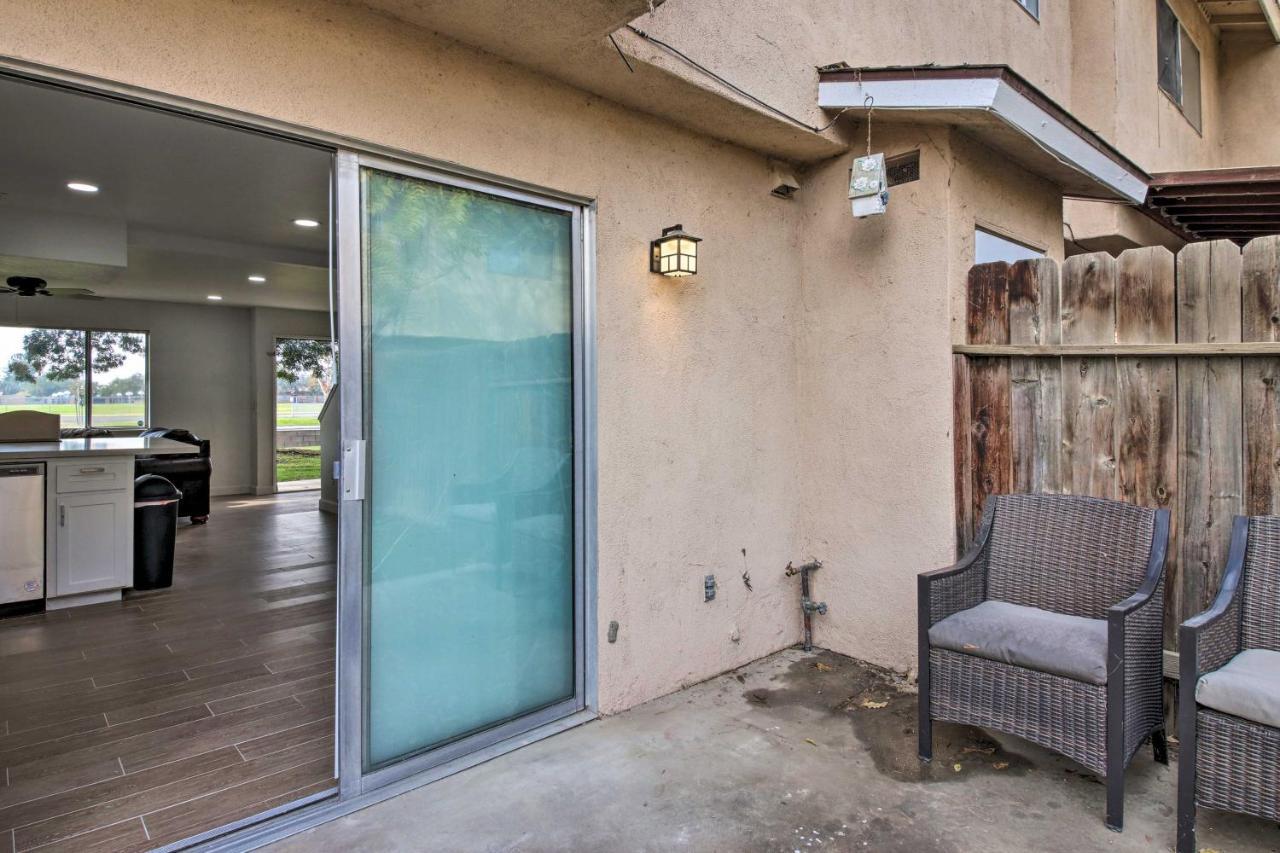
228,491
330,507
64,601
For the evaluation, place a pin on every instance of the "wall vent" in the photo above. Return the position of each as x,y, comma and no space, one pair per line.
903,168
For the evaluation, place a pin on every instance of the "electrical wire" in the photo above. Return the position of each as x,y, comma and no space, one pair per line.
675,51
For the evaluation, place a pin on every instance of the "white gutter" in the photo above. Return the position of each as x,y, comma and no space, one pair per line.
996,96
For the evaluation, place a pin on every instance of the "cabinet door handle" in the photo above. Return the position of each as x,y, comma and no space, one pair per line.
62,516
93,470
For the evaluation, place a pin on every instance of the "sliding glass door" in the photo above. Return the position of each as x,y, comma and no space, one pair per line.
472,590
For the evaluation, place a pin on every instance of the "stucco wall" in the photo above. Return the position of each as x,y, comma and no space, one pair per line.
792,401
881,296
1097,59
698,412
1251,98
771,48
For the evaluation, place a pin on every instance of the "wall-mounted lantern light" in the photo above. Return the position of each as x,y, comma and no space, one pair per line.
675,253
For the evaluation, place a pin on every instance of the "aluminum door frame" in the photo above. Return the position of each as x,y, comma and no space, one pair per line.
354,340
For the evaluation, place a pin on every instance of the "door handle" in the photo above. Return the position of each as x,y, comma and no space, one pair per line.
62,516
93,470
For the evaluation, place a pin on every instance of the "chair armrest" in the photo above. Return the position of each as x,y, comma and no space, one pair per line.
957,587
1209,639
1135,651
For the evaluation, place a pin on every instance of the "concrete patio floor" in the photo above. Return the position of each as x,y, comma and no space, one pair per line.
795,752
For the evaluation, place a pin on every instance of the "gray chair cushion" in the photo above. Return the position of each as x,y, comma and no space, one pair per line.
1070,646
1248,686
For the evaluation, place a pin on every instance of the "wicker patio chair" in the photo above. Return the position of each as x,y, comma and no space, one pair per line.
1049,628
1229,687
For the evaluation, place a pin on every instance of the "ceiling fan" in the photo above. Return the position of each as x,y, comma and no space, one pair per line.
25,285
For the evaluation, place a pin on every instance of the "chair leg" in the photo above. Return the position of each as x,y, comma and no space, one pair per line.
1160,747
1115,797
925,727
1187,784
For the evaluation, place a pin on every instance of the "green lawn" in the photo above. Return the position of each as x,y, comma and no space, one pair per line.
104,414
297,463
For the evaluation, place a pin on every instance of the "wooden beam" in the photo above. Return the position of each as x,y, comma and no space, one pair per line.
1244,174
1212,222
1216,201
1232,210
1167,350
1246,190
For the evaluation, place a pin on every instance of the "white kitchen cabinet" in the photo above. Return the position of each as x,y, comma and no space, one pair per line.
92,541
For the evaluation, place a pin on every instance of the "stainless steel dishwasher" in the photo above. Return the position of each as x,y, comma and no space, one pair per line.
21,533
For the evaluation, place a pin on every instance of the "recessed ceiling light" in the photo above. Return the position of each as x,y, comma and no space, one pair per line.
257,279
82,187
213,297
306,223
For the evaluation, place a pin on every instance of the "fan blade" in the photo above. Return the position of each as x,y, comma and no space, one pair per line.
71,293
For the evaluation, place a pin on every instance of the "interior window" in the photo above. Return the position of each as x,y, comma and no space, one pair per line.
1178,63
119,380
988,247
48,370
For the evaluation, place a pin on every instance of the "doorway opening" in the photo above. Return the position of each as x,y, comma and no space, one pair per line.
305,383
170,668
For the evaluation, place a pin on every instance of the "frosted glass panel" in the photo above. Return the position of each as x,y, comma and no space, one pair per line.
471,519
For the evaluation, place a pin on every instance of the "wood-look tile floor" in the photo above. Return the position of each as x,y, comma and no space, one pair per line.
134,724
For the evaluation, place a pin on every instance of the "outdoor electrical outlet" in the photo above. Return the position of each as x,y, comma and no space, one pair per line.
709,588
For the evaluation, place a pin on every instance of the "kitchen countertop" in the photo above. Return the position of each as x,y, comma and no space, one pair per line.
133,446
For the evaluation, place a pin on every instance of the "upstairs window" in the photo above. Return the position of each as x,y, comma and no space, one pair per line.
1178,63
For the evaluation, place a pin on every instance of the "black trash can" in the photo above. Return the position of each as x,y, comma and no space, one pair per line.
155,525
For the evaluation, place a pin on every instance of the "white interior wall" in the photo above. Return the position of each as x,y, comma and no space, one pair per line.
207,366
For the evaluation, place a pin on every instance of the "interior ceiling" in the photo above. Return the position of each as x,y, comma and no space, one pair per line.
202,206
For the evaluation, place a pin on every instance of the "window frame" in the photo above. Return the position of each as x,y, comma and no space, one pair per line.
87,367
1005,237
1027,6
1181,39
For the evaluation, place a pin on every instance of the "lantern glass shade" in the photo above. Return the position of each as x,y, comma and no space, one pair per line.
675,253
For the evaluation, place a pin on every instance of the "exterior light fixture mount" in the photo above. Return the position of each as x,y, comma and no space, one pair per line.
675,253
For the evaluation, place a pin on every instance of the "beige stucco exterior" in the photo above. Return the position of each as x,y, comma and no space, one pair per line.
1251,74
792,401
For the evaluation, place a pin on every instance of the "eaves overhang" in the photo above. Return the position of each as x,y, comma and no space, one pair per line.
1002,110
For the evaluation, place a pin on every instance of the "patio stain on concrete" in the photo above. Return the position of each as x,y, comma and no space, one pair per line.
883,711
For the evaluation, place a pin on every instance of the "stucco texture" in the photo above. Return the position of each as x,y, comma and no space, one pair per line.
698,413
791,401
881,296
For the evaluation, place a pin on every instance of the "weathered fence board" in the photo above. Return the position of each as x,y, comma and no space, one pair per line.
1147,447
1210,420
1089,385
1163,403
990,456
1260,321
1035,383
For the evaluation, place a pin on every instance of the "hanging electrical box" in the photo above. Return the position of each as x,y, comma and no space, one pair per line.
868,186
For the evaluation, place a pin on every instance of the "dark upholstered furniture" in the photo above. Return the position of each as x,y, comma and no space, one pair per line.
1049,628
189,472
1229,687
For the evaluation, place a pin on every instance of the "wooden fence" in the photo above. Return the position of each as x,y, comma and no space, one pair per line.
1147,378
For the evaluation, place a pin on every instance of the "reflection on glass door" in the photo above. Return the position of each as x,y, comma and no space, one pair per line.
470,520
